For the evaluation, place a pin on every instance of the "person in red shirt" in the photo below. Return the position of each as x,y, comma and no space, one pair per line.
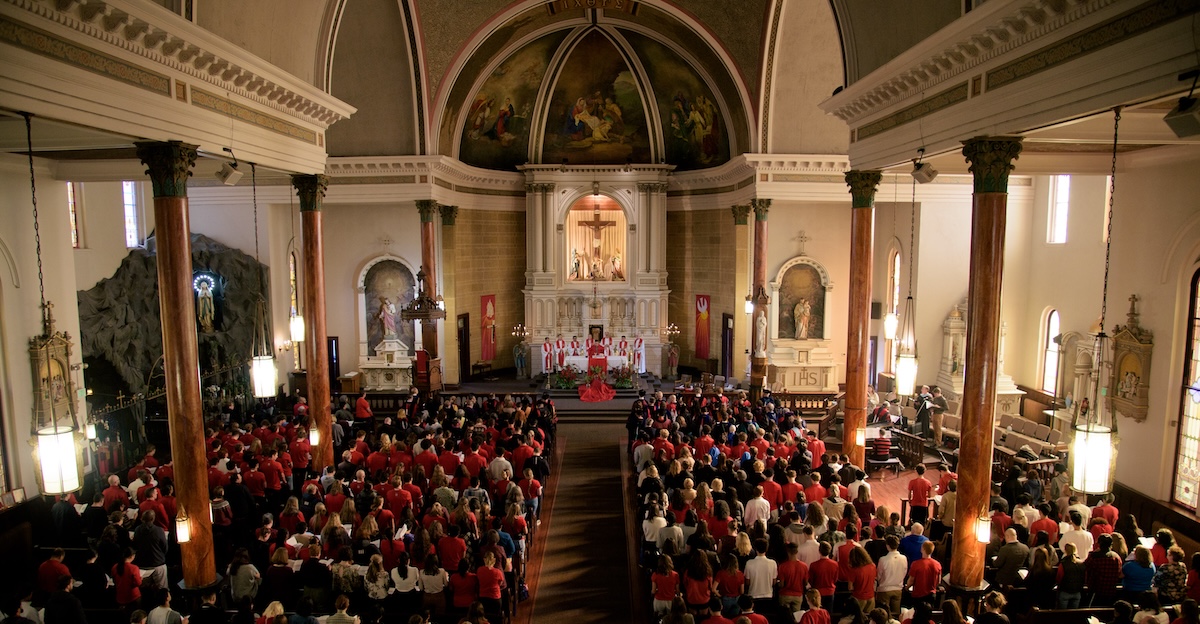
665,585
51,570
947,476
925,574
823,573
772,491
128,581
160,513
1045,523
531,489
464,586
255,481
272,470
815,614
491,584
451,548
861,578
149,461
817,447
704,443
919,491
114,493
474,461
731,581
793,577
1000,520
843,553
815,492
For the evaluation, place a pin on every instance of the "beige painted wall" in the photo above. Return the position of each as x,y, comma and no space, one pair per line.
289,43
807,68
491,261
700,261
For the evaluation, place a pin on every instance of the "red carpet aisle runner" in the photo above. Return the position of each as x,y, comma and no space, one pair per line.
596,392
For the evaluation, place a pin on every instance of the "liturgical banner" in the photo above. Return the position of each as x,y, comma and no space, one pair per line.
487,343
702,303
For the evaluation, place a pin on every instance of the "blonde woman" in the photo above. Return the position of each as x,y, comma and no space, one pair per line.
273,610
815,518
377,581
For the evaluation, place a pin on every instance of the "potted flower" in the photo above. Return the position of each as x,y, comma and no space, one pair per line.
623,377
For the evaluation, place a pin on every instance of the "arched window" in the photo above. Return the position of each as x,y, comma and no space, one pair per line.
1187,453
892,306
1050,354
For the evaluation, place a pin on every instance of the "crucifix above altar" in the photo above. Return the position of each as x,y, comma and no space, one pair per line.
594,237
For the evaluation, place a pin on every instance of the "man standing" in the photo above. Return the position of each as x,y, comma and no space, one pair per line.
912,543
889,577
939,409
924,404
163,613
823,575
362,411
919,490
1077,534
560,351
208,613
757,508
925,575
1010,558
150,544
761,574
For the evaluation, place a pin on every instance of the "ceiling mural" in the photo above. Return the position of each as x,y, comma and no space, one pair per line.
696,133
495,132
595,115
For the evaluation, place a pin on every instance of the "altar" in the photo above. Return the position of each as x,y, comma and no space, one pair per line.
580,362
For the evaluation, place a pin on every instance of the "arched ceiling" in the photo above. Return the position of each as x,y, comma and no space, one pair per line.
593,87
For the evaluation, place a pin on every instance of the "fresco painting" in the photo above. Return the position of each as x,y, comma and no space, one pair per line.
695,136
596,113
497,119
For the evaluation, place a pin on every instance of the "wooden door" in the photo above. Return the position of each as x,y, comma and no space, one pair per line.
464,347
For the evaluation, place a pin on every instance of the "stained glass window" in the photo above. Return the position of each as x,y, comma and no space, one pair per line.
1187,460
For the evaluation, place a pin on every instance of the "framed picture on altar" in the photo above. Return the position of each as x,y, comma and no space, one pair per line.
596,332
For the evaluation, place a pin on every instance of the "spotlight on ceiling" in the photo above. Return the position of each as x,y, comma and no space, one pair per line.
923,172
229,174
1184,119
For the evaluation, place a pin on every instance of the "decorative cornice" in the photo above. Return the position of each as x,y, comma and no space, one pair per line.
169,41
991,161
986,33
862,187
169,165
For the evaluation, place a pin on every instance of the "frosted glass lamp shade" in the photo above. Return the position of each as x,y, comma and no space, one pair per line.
296,328
263,375
891,323
56,453
183,529
314,436
906,374
983,530
1092,459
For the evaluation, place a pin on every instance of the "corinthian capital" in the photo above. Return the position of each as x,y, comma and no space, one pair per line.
991,161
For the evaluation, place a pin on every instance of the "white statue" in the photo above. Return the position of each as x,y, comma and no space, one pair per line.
760,335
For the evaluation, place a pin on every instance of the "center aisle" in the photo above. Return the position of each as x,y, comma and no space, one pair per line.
585,572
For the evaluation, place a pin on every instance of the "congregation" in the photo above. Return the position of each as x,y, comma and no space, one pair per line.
427,518
747,517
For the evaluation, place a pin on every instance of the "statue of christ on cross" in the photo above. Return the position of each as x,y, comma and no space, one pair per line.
596,225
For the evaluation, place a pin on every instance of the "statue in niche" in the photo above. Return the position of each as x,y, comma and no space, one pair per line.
387,317
206,310
576,265
760,335
802,315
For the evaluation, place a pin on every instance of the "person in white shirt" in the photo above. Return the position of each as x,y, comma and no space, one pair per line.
1085,512
653,523
761,573
757,509
809,547
860,480
1077,534
889,577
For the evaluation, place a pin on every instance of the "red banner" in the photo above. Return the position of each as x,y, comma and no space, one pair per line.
702,305
487,342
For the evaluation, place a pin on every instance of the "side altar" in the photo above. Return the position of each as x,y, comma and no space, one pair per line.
385,285
798,351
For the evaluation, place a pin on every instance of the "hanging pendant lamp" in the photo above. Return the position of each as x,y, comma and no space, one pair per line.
1094,449
891,321
263,373
906,346
54,425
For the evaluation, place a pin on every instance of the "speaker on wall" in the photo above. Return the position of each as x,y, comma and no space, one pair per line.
876,310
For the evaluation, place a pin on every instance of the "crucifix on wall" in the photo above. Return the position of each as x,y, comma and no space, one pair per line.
802,238
596,225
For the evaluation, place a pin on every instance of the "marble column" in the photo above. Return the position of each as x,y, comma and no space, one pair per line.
759,326
169,164
990,161
741,286
449,278
428,210
311,191
858,336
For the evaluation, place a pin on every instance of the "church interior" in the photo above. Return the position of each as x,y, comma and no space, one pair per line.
804,197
